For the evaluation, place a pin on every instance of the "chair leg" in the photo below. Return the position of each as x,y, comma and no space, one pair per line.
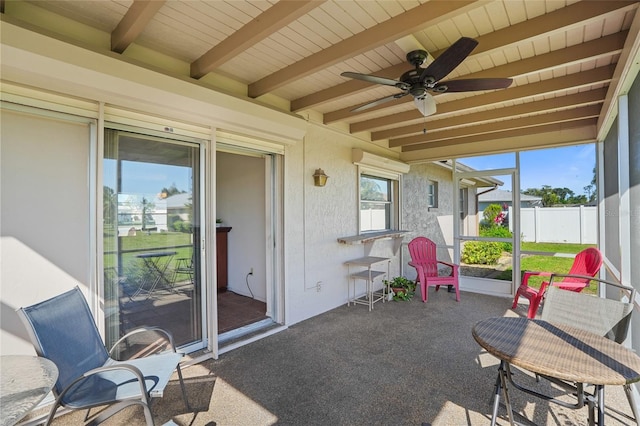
184,392
457,292
632,403
534,303
515,299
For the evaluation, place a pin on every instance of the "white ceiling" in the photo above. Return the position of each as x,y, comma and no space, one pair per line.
567,59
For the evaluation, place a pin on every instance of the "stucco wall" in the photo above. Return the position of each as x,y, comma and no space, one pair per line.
437,224
316,217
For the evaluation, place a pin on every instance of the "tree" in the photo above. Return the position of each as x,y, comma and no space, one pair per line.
109,205
369,190
591,188
554,196
172,190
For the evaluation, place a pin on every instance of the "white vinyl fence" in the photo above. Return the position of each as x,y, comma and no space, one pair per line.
559,224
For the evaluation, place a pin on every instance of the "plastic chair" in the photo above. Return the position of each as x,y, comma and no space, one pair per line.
586,264
423,258
62,329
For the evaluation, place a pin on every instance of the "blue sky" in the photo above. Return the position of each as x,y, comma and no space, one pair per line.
150,178
570,167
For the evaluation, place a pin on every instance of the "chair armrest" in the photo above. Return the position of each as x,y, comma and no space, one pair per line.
527,274
139,330
450,265
133,369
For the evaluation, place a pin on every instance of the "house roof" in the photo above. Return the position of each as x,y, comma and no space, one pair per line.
569,61
179,200
501,195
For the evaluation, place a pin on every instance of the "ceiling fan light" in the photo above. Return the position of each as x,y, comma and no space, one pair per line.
425,104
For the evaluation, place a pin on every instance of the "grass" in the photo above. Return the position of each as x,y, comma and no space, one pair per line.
548,263
554,247
131,246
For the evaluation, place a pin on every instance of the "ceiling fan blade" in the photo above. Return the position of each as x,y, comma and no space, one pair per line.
471,84
450,59
378,102
371,78
426,104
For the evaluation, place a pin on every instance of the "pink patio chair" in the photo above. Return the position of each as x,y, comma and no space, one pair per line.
423,258
586,263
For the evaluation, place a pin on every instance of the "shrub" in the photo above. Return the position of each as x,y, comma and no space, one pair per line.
481,253
171,220
498,232
490,213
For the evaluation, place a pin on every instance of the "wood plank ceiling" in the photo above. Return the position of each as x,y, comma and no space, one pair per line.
566,58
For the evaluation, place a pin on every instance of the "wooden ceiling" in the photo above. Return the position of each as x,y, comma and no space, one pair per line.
568,60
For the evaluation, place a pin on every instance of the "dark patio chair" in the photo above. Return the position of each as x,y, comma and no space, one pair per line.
62,329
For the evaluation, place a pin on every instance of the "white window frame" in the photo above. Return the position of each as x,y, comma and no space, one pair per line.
394,180
432,194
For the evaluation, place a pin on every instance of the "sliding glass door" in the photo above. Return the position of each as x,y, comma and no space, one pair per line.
152,236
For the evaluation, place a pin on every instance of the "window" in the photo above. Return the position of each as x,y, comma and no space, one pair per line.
463,202
377,203
432,194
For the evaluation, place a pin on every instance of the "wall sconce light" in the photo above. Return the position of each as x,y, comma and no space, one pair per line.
319,178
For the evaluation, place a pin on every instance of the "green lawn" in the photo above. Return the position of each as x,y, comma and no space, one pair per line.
131,246
555,247
548,263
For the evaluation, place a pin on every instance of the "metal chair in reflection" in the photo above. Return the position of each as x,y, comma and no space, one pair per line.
184,266
62,329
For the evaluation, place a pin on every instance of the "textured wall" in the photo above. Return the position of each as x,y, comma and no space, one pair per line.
416,217
317,216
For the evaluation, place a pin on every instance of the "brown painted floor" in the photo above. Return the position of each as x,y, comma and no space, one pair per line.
235,311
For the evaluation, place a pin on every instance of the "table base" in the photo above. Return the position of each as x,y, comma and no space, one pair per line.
593,401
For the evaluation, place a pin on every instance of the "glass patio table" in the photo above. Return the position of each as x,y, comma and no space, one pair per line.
24,382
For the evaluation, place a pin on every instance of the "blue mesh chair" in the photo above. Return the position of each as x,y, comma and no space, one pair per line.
62,329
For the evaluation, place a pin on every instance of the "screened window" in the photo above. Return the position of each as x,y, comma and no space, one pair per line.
432,194
377,203
464,195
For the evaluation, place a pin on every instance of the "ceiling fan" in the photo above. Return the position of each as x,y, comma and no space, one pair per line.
419,82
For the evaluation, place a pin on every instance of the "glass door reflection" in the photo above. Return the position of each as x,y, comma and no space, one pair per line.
151,236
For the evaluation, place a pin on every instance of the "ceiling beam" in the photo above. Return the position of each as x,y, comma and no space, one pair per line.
498,126
601,75
345,113
270,21
528,108
425,15
546,136
554,21
350,87
133,23
624,75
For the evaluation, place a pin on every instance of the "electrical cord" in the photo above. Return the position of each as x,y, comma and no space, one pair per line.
249,287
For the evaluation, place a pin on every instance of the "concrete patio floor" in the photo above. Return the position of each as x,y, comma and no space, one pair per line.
404,363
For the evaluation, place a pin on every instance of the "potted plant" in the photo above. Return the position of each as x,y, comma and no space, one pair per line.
403,288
